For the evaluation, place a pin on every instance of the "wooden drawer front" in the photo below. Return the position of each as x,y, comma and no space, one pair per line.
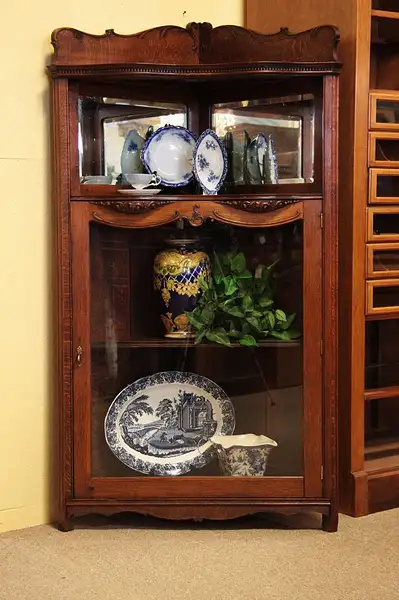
384,186
383,260
384,149
384,110
382,296
383,224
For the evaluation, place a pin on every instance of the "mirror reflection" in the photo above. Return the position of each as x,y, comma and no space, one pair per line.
112,133
269,140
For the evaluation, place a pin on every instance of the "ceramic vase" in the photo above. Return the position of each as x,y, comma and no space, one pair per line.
243,455
131,153
178,271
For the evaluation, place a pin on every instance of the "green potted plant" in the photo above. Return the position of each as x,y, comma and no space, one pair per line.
237,305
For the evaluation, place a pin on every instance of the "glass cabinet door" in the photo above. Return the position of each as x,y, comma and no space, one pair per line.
185,336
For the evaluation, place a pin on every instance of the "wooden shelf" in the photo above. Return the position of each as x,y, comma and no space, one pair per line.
380,393
109,192
183,343
384,463
384,14
381,454
382,447
384,26
382,317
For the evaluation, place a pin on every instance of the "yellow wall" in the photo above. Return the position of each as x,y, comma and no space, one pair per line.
25,297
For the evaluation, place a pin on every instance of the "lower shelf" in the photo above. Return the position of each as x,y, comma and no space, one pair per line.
382,455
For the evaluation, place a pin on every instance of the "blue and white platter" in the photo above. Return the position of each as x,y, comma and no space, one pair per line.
169,154
255,158
210,162
161,424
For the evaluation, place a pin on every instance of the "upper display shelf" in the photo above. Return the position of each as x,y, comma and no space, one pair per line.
172,50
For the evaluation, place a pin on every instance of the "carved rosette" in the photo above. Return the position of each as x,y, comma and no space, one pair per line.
143,206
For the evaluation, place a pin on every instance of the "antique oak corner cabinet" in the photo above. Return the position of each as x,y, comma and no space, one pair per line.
236,82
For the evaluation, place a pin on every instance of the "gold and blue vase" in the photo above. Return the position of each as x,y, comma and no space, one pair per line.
178,272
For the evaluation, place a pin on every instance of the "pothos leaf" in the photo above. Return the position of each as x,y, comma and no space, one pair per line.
280,315
254,322
208,314
219,336
248,340
247,303
234,311
230,285
195,322
238,263
288,322
200,336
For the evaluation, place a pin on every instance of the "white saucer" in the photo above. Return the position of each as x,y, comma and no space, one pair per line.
145,192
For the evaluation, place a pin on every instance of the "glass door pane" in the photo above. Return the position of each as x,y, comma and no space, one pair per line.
112,133
269,140
140,327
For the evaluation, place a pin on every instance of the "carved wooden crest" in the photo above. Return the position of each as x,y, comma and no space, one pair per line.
199,48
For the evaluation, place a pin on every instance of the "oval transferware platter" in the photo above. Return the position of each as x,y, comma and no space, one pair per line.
161,424
169,154
210,162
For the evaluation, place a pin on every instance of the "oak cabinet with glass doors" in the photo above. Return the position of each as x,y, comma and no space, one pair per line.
197,330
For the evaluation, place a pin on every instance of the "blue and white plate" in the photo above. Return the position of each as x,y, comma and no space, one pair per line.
210,162
169,154
161,424
255,158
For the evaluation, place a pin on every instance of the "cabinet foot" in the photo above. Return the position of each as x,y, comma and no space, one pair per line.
65,525
330,522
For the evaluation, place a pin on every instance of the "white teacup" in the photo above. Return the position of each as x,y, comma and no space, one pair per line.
142,180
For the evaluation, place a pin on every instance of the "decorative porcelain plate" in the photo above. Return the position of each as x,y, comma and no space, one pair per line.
144,192
161,424
210,162
169,154
255,158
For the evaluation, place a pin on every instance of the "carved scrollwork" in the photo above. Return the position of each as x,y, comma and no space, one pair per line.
132,207
196,219
259,206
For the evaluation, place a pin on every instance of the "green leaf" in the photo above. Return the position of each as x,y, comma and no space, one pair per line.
259,287
254,322
230,285
248,340
289,321
257,313
280,315
281,335
234,311
293,333
271,320
244,275
235,334
208,314
200,336
238,263
195,322
203,284
265,301
247,303
219,336
225,259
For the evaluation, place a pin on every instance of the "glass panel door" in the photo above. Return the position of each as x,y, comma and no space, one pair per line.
195,335
129,320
